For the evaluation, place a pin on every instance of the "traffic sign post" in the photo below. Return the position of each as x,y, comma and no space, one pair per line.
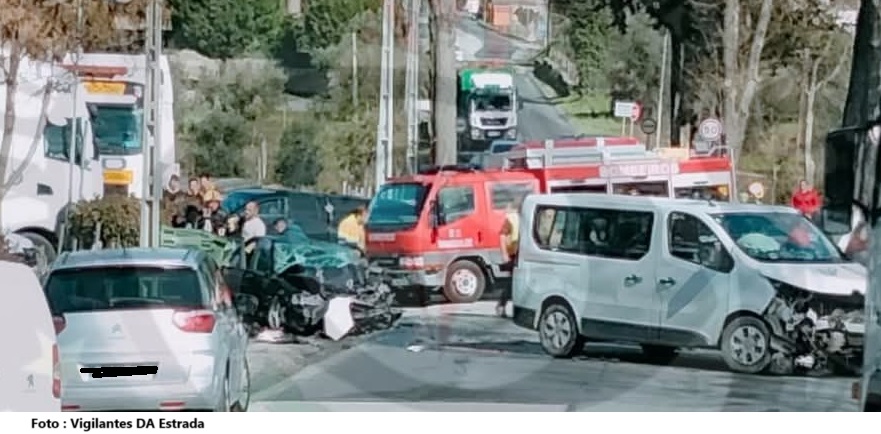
710,129
648,126
627,110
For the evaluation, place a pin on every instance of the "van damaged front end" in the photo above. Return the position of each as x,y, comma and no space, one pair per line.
815,331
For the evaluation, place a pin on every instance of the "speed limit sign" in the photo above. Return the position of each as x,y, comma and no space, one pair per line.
710,129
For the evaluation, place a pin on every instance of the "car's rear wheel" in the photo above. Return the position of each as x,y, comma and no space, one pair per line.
746,345
558,332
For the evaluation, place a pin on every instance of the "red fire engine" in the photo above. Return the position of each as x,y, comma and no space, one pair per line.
440,229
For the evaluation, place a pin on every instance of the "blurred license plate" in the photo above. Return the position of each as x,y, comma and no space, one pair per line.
493,133
400,281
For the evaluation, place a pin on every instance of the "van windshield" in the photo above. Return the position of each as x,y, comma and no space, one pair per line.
109,288
778,237
397,206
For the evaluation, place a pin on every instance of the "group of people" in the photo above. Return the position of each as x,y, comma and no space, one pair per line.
199,207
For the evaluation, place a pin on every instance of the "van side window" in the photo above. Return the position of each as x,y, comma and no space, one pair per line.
619,234
690,239
594,232
455,203
506,193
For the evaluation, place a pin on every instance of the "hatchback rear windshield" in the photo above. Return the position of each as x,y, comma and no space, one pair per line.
108,288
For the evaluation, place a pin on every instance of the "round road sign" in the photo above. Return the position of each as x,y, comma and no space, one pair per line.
757,190
648,126
710,129
636,112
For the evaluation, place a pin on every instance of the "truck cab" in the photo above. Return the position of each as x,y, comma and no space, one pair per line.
488,104
440,229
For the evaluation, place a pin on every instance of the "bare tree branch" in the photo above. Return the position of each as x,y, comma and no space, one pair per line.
755,56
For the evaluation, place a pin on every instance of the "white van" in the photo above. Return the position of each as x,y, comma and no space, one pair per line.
754,281
29,371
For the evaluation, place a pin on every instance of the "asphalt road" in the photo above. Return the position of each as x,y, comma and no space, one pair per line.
462,358
539,118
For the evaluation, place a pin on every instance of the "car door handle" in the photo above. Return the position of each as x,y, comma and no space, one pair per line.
667,282
632,280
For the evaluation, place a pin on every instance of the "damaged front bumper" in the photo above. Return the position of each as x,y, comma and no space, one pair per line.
815,332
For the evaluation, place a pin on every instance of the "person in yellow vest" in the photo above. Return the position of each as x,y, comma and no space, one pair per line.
510,243
351,228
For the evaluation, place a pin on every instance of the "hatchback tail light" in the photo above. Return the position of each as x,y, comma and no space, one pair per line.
194,321
59,323
56,372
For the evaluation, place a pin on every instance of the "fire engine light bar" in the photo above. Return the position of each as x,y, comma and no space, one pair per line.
113,163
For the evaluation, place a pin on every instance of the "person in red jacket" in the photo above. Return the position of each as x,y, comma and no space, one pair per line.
806,199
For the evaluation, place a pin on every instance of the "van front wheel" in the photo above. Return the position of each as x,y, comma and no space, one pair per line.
558,332
465,282
746,345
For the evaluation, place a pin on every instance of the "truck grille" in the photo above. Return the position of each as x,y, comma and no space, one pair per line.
494,122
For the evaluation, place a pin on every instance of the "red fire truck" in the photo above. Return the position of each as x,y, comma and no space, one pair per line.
440,229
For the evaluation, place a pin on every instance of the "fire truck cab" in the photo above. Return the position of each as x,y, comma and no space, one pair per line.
440,229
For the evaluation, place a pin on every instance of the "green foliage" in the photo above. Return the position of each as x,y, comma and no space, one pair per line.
325,22
219,142
119,217
226,28
298,158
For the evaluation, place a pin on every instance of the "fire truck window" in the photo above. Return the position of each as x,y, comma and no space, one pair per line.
718,193
455,203
643,189
504,194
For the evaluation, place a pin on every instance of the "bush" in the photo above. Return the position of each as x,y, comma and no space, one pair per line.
120,218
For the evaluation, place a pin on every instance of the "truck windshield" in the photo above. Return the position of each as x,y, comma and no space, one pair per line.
117,129
397,206
778,237
493,102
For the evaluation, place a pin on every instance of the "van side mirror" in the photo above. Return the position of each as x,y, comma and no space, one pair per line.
713,255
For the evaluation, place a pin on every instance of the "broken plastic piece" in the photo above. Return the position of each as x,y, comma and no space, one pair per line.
338,321
806,361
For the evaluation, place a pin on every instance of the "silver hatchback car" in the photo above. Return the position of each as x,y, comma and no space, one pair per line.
147,329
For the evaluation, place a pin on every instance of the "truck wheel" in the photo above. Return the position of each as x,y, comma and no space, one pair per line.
746,345
465,282
48,250
558,332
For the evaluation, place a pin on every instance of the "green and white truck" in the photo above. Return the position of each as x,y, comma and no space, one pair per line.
488,102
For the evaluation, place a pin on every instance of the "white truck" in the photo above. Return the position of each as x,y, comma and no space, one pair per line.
38,169
488,105
114,93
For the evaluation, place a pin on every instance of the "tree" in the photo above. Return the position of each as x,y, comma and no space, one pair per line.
325,22
299,162
227,28
220,139
45,31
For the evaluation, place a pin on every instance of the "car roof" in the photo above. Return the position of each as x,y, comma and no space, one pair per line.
175,257
669,204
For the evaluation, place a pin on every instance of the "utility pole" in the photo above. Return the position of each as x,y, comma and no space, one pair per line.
385,126
445,82
355,70
412,85
151,137
74,130
662,84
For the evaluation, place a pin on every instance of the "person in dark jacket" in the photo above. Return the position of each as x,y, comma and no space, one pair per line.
173,200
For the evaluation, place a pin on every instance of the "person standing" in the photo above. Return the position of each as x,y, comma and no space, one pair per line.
351,229
510,244
174,200
254,226
214,217
806,199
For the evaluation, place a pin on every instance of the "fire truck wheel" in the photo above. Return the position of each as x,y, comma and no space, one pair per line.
465,282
